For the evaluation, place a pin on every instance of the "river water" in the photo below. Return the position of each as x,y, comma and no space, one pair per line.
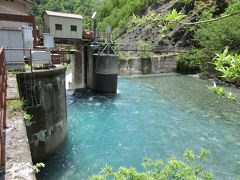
153,116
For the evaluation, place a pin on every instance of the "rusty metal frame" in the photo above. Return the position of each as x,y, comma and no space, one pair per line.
3,96
22,18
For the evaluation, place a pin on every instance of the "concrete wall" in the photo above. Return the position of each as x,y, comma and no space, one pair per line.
154,65
45,98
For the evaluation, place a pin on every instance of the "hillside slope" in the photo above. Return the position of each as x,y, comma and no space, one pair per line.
178,35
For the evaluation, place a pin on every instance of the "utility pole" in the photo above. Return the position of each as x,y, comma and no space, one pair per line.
94,17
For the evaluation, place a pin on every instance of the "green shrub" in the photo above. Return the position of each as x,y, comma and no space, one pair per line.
14,105
215,36
188,63
228,65
172,169
125,57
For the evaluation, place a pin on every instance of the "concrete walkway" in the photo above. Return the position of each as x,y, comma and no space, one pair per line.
18,156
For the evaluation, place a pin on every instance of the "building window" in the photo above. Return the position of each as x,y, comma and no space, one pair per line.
73,28
58,26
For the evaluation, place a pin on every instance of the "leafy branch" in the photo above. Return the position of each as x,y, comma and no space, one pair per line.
221,92
212,20
229,67
171,169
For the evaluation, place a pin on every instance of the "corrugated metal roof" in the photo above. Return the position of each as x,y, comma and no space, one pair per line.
6,10
51,13
29,2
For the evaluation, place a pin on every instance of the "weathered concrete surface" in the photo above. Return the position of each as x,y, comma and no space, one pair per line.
106,64
18,157
157,64
90,69
45,98
105,73
78,70
12,89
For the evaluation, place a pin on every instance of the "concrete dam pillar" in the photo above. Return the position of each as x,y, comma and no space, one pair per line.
96,69
105,73
44,96
78,70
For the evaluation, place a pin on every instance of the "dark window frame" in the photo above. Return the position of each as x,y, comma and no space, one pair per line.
58,27
74,28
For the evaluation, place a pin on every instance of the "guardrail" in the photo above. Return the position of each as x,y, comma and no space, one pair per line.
3,95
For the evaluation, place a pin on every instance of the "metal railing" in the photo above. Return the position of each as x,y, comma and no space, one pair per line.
155,49
3,95
113,48
103,48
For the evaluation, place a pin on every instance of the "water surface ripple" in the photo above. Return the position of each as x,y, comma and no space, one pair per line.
151,116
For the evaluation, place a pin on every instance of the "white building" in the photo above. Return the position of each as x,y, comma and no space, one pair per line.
63,25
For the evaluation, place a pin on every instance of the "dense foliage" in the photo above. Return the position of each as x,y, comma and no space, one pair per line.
228,65
212,38
117,13
172,169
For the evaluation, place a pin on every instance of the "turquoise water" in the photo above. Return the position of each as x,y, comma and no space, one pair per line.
151,116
